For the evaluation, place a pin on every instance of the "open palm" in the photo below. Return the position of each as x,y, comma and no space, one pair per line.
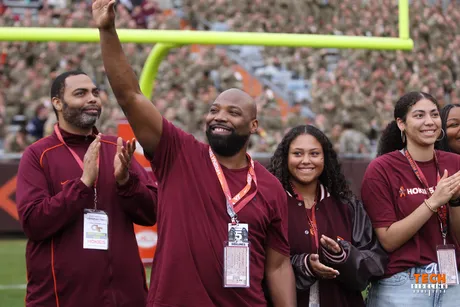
123,160
104,13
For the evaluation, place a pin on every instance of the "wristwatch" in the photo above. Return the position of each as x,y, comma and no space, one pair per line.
454,202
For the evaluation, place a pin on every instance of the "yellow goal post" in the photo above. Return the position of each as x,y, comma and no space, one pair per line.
166,39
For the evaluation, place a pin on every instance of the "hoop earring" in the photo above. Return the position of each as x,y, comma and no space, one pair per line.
403,136
443,135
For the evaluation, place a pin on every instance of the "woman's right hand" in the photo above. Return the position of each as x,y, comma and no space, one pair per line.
320,270
446,188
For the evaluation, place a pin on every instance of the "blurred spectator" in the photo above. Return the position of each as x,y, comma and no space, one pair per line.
36,125
352,141
334,137
17,140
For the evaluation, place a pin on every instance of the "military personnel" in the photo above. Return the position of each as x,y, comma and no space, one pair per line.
352,141
270,117
17,141
334,136
295,119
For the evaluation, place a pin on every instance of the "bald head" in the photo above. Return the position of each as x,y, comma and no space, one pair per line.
241,99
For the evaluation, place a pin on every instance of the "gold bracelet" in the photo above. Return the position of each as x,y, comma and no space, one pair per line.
429,206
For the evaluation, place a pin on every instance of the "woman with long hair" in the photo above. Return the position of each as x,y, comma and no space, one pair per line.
450,117
410,192
334,251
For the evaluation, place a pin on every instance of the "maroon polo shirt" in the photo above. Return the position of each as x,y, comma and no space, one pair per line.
391,191
51,199
192,226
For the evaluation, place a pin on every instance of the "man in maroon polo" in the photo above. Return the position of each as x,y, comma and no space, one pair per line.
78,197
222,218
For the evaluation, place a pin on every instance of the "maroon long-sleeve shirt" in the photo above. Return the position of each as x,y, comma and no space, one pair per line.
51,199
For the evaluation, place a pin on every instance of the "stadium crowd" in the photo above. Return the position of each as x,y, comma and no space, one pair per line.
353,98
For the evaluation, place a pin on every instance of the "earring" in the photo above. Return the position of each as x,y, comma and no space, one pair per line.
403,136
443,135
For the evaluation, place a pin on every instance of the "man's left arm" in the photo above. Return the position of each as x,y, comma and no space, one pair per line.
279,273
139,196
280,279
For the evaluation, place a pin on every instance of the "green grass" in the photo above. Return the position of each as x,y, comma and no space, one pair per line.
13,272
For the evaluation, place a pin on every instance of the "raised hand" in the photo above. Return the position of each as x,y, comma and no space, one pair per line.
447,188
322,271
104,13
90,163
123,160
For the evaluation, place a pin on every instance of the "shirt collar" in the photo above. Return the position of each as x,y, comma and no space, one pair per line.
71,138
323,192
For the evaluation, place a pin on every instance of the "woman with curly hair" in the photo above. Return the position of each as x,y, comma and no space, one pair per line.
450,118
411,195
333,249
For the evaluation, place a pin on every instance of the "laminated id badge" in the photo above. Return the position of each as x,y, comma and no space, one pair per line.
447,263
236,257
95,230
314,295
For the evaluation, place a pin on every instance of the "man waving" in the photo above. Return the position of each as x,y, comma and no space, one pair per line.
222,218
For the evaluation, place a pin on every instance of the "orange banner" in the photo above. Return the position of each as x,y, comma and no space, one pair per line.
126,133
146,236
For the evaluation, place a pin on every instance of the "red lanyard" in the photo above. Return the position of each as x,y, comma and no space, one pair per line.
442,211
74,154
312,221
235,204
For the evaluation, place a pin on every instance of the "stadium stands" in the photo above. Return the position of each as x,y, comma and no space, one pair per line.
292,86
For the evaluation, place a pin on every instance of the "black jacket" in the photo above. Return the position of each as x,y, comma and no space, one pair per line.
364,257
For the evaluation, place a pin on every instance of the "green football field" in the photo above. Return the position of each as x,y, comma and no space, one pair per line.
13,273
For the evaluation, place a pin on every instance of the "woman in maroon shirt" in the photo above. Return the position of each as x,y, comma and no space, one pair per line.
334,251
405,192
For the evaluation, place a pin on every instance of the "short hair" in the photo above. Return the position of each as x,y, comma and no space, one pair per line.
58,86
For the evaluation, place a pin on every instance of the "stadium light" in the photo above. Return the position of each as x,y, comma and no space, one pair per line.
167,39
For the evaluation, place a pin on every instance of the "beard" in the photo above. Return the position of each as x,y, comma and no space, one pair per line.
226,145
78,118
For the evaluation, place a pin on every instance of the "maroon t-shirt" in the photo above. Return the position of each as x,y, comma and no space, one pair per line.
391,191
192,226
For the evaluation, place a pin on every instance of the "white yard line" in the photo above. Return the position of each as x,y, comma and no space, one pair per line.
13,287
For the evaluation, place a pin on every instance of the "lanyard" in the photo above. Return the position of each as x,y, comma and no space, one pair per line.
77,159
312,221
442,211
232,207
